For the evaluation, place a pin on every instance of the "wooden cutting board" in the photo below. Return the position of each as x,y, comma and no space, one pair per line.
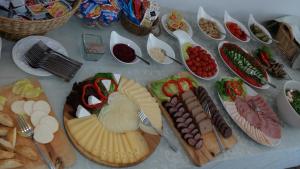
59,150
210,148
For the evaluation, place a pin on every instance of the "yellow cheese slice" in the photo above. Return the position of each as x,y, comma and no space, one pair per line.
97,143
154,115
110,147
92,140
83,141
128,149
116,151
77,131
133,87
138,144
78,123
122,153
125,85
103,153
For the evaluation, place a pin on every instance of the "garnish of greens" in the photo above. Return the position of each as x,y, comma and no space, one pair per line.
230,88
244,65
294,99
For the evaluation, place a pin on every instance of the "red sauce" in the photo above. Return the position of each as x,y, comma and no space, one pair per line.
124,53
236,31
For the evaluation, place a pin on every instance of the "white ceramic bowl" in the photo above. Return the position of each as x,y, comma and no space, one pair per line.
115,38
183,38
253,21
228,18
285,109
154,42
164,24
203,14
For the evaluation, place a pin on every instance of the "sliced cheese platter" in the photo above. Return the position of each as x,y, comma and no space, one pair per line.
183,101
101,120
26,98
249,111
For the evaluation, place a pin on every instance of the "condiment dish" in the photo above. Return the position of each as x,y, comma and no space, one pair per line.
115,39
285,109
253,21
184,38
154,42
203,14
164,24
228,18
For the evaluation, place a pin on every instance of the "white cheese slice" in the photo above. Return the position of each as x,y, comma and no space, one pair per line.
28,106
82,112
92,100
41,105
106,84
18,107
117,77
50,122
42,134
36,116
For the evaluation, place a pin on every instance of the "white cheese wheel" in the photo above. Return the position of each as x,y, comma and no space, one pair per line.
28,106
41,105
42,134
50,122
18,107
36,116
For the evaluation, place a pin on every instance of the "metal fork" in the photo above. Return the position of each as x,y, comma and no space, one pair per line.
27,131
206,109
145,120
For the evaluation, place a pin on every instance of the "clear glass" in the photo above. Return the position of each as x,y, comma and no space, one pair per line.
93,47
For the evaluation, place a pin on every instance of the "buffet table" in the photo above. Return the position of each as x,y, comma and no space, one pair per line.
245,154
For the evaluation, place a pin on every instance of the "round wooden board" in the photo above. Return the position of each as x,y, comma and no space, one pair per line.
152,141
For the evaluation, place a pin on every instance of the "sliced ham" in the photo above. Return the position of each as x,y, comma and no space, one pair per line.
265,119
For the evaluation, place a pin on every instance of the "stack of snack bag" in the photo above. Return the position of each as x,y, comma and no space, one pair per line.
101,12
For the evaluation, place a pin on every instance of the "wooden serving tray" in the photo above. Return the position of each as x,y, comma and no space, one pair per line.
152,141
59,150
210,148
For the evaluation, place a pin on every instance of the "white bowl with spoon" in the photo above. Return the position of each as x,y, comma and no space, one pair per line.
154,43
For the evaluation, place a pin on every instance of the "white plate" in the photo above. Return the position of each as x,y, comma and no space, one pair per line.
23,45
183,38
154,42
266,86
228,18
115,38
253,21
203,14
164,24
235,117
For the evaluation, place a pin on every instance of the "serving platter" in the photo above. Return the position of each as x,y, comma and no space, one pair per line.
102,143
210,148
59,150
255,133
266,86
253,21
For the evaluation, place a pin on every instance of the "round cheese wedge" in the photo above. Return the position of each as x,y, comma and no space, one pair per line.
50,122
28,106
18,106
41,105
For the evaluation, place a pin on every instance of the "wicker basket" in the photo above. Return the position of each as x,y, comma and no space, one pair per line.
15,29
139,30
286,44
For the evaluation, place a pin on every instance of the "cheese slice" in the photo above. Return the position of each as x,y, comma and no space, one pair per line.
83,141
117,77
116,151
79,134
106,84
82,112
103,153
138,144
78,124
126,84
92,100
98,142
154,115
135,86
110,147
122,154
129,158
92,140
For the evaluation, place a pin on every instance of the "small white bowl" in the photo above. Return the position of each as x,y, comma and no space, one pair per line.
183,38
154,42
285,109
203,14
228,18
164,24
115,38
253,21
